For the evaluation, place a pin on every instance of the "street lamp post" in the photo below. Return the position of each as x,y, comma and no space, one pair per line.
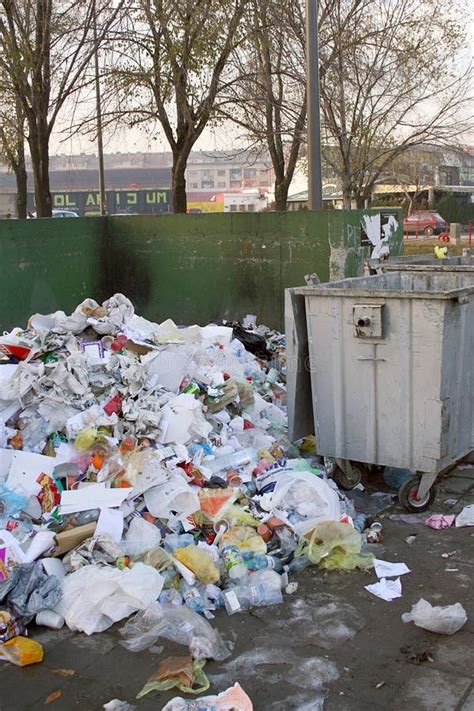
315,201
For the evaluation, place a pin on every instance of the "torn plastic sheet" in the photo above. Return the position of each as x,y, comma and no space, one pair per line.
177,624
29,590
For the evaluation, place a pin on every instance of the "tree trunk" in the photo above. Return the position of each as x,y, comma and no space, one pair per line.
21,192
346,199
178,182
39,149
360,201
281,195
21,180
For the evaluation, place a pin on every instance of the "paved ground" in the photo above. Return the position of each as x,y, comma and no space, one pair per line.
331,645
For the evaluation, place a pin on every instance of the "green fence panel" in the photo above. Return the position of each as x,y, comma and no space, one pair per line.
192,268
48,264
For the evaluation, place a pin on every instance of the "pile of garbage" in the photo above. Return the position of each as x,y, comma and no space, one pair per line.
145,468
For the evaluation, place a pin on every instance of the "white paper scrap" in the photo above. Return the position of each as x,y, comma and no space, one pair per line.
386,589
25,469
94,496
42,541
110,522
384,569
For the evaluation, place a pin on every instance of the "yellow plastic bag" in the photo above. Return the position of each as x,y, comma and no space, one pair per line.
237,516
200,562
335,546
245,538
21,651
86,439
188,678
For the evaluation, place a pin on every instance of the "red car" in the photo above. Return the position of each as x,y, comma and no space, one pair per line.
424,222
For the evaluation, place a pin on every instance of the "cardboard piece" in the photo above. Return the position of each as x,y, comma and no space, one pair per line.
67,540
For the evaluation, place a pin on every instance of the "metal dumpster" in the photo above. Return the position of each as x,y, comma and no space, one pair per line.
390,372
426,262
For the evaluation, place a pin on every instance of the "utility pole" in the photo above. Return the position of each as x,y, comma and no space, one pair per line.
315,199
100,142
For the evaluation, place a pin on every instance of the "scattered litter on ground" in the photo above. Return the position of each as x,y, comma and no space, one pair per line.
466,517
417,657
384,569
146,477
408,518
440,521
234,699
443,620
53,696
118,705
386,589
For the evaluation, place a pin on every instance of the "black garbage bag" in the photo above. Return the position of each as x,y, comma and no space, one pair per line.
253,342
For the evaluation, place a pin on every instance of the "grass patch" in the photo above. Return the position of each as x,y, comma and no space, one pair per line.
426,246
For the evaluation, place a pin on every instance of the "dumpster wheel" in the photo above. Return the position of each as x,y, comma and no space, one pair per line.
408,495
348,479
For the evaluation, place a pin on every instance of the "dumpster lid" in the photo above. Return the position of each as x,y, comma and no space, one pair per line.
428,265
411,284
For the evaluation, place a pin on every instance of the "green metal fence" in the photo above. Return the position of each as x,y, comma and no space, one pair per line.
191,268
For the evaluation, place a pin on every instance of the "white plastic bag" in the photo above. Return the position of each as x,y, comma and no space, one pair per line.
174,495
443,620
140,538
96,597
301,491
466,517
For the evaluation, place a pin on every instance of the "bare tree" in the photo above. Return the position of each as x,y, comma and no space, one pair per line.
268,100
45,51
12,144
414,173
168,64
391,86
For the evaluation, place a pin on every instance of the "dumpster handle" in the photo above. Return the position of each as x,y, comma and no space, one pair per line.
382,360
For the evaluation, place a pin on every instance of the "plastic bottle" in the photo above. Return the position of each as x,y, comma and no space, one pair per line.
261,588
192,597
260,561
360,521
231,461
87,516
234,562
248,488
286,541
298,563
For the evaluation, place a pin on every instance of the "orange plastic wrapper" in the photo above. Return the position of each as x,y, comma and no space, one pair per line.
176,667
214,501
232,699
21,651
